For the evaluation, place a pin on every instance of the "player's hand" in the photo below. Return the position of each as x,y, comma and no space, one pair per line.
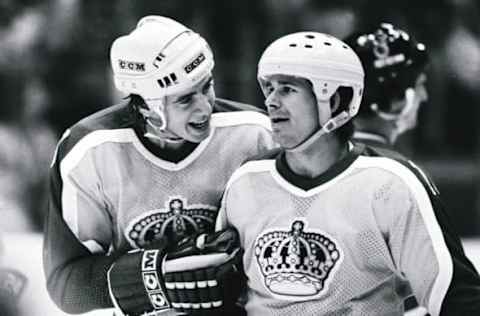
204,275
191,277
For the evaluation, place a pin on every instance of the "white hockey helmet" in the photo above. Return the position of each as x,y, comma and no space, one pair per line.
327,62
160,57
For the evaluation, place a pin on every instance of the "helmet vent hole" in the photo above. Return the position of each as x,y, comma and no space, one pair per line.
309,36
160,83
345,46
293,45
327,43
173,77
308,46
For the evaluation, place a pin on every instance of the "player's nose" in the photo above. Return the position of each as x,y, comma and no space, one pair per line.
202,103
272,102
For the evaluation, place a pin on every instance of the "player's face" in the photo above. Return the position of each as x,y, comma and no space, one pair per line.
188,113
292,108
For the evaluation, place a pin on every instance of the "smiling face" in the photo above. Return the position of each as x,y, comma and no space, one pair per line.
188,113
293,109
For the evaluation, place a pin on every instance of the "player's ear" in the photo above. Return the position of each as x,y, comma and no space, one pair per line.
335,102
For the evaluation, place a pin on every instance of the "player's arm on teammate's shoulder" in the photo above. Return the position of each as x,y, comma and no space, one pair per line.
427,250
76,227
264,136
226,105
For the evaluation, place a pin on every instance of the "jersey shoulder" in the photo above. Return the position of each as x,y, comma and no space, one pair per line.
114,118
263,162
271,154
225,105
241,118
383,151
396,163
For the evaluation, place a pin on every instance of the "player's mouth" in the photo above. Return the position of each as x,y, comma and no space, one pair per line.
200,125
278,120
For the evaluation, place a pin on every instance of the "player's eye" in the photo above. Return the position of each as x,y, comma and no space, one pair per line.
268,90
287,90
185,99
207,86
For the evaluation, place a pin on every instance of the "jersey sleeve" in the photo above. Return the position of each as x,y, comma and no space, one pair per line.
265,141
75,260
222,218
221,222
427,251
229,200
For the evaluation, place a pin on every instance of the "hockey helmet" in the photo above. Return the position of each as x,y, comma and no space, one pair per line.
393,61
160,57
325,61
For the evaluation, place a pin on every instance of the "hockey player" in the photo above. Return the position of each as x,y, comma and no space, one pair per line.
332,228
394,64
148,174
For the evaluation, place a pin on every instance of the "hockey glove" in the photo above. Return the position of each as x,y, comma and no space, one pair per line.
191,277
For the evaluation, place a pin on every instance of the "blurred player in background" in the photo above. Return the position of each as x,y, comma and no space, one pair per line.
146,174
394,64
333,228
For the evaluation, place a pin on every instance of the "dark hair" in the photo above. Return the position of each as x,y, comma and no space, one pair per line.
345,131
136,101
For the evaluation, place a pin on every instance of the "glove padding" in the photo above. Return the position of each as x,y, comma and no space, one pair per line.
199,271
191,276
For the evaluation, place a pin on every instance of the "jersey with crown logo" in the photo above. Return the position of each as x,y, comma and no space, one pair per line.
354,241
109,193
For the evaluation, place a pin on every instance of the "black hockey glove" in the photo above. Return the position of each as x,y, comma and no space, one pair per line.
199,276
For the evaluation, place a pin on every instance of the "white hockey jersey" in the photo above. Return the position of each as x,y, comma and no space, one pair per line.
109,194
350,242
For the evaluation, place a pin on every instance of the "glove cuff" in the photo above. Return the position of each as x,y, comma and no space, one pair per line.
152,278
136,284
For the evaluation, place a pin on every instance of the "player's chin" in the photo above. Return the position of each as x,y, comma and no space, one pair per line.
198,132
284,140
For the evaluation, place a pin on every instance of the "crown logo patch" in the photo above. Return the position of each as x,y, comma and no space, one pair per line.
297,263
176,221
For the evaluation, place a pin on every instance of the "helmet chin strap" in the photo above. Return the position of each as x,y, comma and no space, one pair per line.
331,125
161,132
172,138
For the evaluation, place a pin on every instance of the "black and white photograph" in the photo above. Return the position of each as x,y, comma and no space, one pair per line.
247,158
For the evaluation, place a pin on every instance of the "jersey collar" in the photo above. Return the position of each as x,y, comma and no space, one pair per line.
168,165
309,183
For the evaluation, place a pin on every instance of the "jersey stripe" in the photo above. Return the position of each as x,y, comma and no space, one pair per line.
241,118
444,258
55,154
94,247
